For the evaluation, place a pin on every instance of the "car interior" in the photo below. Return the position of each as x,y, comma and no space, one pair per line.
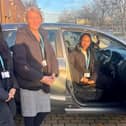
108,87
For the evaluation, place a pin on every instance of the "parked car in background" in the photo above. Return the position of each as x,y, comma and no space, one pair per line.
110,53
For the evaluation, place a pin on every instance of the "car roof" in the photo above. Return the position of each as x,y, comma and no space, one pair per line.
57,25
63,25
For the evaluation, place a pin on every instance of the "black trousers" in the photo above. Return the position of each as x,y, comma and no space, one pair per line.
35,121
6,115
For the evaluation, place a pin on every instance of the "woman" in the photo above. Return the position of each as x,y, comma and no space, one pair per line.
82,65
8,85
36,68
82,61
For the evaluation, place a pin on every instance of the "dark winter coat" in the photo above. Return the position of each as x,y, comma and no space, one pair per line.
7,109
28,59
78,64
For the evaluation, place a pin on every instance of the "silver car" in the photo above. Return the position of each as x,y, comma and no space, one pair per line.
110,52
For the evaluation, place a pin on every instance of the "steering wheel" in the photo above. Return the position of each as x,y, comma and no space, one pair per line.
105,56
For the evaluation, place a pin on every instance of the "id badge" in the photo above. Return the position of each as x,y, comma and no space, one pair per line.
44,63
87,75
5,74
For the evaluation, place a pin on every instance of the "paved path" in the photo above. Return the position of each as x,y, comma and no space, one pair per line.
81,120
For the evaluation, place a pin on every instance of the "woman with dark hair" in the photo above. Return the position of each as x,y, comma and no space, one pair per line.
82,62
8,85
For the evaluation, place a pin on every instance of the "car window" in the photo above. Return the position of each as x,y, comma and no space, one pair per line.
10,37
55,41
71,38
106,41
52,38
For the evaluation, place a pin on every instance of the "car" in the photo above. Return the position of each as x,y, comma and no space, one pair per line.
110,53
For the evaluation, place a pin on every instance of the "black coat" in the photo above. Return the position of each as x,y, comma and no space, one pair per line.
7,109
78,65
28,59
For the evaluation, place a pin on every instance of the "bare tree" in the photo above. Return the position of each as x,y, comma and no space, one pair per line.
96,13
118,14
104,13
101,9
68,16
122,14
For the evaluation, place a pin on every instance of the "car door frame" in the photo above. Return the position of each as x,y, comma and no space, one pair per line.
58,89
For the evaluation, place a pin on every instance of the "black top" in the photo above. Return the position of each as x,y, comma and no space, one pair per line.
28,59
7,83
78,64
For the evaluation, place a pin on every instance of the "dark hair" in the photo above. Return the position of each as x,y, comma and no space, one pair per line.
84,34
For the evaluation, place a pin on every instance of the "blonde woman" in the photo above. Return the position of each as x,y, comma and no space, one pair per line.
36,68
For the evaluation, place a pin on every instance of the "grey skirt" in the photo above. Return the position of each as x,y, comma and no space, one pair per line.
33,102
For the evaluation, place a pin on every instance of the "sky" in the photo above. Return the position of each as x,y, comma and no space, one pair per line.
53,8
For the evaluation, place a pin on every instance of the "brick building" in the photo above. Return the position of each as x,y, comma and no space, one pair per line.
11,11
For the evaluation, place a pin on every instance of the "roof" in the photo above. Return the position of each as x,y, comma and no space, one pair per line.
64,25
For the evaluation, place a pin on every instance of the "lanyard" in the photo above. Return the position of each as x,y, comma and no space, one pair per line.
2,63
87,58
42,46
